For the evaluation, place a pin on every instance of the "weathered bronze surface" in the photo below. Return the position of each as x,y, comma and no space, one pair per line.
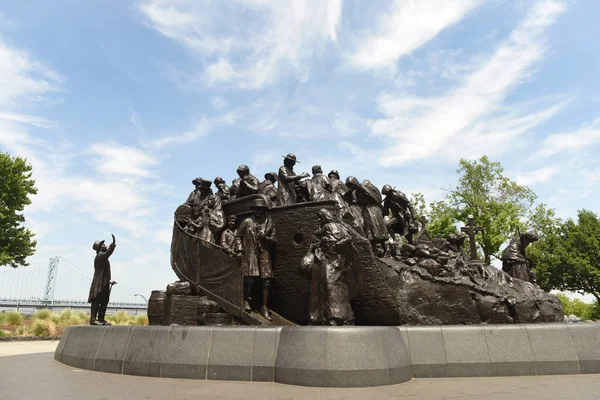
319,251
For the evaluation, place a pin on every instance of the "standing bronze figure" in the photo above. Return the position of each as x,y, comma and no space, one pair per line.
228,235
369,199
321,187
514,261
101,284
403,220
338,190
286,190
255,242
329,264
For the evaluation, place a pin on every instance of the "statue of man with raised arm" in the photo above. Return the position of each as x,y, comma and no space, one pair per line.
101,284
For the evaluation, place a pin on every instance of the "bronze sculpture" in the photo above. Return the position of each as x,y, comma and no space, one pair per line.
369,199
286,190
255,241
327,263
514,261
338,190
196,198
248,183
235,186
101,284
402,221
387,284
321,187
228,236
222,188
267,187
209,219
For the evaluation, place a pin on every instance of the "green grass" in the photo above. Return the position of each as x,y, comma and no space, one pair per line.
44,313
44,322
14,318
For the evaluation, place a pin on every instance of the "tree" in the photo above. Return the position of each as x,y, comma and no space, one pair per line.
498,204
569,258
16,187
441,217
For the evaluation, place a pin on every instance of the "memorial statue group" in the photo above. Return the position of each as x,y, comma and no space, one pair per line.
360,208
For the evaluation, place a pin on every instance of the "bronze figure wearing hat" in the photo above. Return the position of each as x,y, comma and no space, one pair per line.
201,192
101,283
255,243
286,190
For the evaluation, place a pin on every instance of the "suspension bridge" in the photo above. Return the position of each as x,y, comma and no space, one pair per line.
57,283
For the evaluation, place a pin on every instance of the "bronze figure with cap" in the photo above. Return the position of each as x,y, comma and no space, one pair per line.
255,244
101,283
286,191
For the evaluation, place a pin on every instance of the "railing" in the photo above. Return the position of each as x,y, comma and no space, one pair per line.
64,303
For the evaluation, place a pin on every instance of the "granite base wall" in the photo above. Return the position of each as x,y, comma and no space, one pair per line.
333,356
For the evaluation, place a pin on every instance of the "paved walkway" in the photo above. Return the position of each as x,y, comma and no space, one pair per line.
38,376
17,347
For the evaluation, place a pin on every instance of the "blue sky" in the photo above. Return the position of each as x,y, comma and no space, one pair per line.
118,105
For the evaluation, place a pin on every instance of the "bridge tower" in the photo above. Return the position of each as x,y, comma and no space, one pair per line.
51,280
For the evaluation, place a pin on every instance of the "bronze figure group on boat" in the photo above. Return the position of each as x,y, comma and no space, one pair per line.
355,209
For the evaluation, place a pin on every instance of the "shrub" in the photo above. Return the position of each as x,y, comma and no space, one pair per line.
21,331
44,313
39,328
4,333
14,318
44,327
140,320
72,320
66,314
120,318
83,315
2,317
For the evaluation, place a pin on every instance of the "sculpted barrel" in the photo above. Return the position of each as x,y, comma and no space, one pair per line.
156,305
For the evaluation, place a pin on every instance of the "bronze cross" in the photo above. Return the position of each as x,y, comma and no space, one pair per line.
471,230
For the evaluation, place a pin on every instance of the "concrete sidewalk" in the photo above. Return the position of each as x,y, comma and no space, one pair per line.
16,347
38,376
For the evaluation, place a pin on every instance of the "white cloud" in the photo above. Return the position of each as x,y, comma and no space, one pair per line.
421,127
280,40
348,123
29,120
134,118
572,141
405,27
122,160
539,175
202,128
218,103
23,79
